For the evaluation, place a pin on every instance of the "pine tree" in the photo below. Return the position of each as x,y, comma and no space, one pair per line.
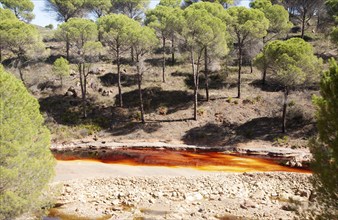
325,148
26,163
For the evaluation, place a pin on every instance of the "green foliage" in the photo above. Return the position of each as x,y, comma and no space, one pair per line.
165,20
202,28
292,62
66,9
132,8
23,40
278,17
78,31
325,148
6,14
99,7
246,23
334,35
26,163
21,8
171,3
280,141
143,40
20,38
61,68
115,29
224,3
50,26
332,8
261,4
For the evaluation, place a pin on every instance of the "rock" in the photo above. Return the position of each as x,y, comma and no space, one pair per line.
72,73
190,197
115,202
248,204
71,92
259,194
290,207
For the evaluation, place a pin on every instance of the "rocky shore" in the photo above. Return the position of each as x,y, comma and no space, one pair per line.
208,196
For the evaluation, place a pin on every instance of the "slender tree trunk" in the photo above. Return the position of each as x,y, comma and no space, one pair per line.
139,82
286,93
61,80
163,61
132,54
83,90
264,77
67,49
19,66
0,55
251,66
172,49
21,75
303,23
119,76
206,72
192,58
239,70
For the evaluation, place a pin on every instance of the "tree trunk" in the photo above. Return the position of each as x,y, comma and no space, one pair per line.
61,80
21,75
83,90
264,77
303,23
192,58
163,61
172,49
286,93
18,65
119,76
0,55
132,54
206,72
251,66
139,82
239,71
67,49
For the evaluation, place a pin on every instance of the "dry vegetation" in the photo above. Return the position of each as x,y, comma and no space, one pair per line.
224,120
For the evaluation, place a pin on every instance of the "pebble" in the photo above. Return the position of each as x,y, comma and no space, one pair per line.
199,197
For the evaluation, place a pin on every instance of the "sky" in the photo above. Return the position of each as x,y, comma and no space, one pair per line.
44,18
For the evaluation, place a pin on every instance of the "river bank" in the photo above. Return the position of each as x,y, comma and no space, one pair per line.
187,196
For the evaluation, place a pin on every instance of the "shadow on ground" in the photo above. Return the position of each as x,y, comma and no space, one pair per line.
263,128
111,79
155,97
67,111
209,134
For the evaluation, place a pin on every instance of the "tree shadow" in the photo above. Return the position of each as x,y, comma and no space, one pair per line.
216,81
264,128
155,97
67,110
180,74
124,61
270,128
158,62
209,134
48,85
111,79
267,87
130,127
51,59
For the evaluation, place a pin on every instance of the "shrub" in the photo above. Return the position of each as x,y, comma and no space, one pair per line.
26,161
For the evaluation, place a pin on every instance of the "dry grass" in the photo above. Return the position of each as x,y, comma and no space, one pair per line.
169,108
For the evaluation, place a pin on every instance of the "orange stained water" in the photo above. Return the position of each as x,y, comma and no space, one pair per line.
202,160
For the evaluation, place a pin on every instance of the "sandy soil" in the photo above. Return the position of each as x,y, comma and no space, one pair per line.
66,170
